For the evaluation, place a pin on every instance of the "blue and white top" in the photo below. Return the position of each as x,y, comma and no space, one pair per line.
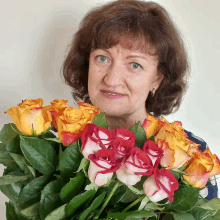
211,189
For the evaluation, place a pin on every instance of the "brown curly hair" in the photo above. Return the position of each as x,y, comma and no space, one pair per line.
147,23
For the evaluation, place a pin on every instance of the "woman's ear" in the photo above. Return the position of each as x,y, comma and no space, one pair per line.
157,82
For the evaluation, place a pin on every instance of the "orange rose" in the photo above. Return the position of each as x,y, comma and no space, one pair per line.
176,146
56,109
71,124
151,125
89,111
202,166
31,115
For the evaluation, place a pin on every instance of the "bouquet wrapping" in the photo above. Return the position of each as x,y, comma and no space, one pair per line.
63,163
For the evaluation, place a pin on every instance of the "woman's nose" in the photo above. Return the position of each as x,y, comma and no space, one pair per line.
114,75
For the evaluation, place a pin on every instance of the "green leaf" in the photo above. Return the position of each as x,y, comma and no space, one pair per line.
100,120
12,191
183,216
118,195
134,214
185,198
2,147
78,201
95,204
12,177
201,214
135,190
84,163
70,160
31,211
19,160
72,188
7,160
213,204
40,154
50,197
151,205
129,196
14,145
49,203
140,135
10,212
7,134
92,186
57,214
31,193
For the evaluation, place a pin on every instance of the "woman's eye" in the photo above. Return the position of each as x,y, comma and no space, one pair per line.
101,58
136,65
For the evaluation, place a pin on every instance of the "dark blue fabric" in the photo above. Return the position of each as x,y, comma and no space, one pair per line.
211,189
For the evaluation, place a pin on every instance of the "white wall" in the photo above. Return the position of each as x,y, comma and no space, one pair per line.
33,42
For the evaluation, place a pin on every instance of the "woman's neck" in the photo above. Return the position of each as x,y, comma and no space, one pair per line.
124,122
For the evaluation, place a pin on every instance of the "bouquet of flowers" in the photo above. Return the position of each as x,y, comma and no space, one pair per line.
63,163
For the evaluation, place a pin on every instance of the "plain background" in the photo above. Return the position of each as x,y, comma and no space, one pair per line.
34,36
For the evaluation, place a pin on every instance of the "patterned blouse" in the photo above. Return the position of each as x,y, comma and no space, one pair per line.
211,189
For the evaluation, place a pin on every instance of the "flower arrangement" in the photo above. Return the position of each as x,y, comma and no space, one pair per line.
63,163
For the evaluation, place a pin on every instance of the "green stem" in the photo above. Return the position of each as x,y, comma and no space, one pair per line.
134,203
107,200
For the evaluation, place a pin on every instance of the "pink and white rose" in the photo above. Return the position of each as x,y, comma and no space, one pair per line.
102,165
161,185
155,153
139,162
95,138
127,176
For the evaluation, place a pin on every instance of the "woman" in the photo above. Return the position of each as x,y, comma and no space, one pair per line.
129,59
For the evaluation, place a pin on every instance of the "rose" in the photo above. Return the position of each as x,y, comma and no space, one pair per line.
30,116
88,110
127,176
155,153
102,165
95,138
139,162
70,125
56,109
202,166
174,157
161,185
172,140
151,125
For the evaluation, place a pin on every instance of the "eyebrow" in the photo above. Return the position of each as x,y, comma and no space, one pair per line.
131,56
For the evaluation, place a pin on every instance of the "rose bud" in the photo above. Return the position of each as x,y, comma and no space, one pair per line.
155,153
139,163
161,185
30,115
95,138
127,176
102,165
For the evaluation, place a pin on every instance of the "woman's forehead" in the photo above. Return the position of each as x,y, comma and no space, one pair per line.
132,44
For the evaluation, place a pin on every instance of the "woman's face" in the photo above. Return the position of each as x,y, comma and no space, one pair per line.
132,74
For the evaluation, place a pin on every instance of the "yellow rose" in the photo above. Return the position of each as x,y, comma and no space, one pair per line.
89,111
202,166
30,113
